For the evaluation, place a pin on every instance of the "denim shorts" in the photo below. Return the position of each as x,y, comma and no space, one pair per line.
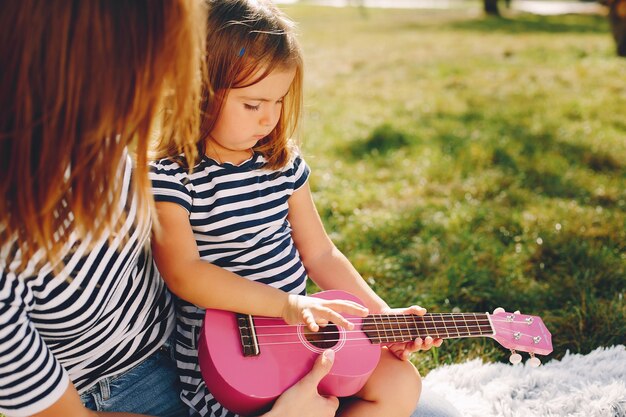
152,388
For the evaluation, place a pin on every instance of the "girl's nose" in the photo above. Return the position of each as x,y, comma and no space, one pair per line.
266,119
269,116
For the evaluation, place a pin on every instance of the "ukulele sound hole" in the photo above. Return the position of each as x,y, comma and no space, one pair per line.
325,338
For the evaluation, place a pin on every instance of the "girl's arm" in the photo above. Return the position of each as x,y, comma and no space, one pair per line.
324,263
209,286
330,269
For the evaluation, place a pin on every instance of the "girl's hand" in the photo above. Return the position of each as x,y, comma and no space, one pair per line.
404,350
315,311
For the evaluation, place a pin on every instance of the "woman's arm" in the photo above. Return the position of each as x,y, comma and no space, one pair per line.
324,263
209,286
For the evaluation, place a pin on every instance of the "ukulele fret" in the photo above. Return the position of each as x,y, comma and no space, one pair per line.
406,327
467,328
456,328
384,327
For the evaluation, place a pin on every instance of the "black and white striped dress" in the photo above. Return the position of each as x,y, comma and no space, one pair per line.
102,314
238,214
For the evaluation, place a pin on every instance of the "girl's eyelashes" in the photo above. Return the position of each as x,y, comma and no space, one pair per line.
251,107
258,106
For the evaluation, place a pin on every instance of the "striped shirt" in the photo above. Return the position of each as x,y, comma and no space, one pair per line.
238,214
103,313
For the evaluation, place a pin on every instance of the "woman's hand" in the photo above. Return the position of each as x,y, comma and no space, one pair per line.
302,399
316,312
403,350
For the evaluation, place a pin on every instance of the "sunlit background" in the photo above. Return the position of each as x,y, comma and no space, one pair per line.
465,161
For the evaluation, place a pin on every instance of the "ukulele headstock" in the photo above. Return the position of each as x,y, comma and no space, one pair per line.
522,332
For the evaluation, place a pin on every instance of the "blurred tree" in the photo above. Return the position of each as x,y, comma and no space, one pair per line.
491,7
617,17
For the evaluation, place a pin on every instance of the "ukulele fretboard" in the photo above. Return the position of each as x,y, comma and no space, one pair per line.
389,328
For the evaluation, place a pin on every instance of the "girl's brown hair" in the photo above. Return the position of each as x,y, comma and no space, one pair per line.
82,81
246,40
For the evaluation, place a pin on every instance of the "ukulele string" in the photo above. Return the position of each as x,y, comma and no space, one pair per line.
465,331
433,332
266,343
432,325
364,339
408,337
402,318
480,332
400,328
367,320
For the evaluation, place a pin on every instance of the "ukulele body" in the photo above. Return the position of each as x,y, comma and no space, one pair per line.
250,384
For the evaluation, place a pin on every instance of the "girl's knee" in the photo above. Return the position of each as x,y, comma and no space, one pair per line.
408,385
397,383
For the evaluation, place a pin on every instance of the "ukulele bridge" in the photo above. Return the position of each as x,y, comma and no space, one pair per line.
249,341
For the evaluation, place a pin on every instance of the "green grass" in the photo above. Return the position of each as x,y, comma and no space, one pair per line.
467,163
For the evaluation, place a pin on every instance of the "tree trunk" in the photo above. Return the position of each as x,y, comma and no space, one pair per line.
617,17
491,7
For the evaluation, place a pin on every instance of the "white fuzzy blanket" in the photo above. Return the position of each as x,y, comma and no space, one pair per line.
578,385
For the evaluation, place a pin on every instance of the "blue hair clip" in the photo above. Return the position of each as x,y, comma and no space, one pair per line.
242,51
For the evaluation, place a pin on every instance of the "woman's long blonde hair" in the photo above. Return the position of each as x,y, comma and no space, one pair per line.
82,81
246,40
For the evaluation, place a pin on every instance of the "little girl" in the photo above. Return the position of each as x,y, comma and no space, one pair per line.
238,227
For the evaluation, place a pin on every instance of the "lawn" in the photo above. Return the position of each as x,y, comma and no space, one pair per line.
466,163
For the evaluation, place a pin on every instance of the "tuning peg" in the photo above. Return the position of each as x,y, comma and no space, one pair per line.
515,357
498,310
533,362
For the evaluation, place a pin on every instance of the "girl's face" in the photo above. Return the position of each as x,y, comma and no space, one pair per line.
251,113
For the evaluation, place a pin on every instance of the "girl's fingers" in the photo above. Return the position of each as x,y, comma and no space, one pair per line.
417,310
412,346
397,350
309,320
338,319
348,307
428,343
419,342
401,351
404,350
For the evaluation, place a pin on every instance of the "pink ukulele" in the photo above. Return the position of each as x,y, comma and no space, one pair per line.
247,362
